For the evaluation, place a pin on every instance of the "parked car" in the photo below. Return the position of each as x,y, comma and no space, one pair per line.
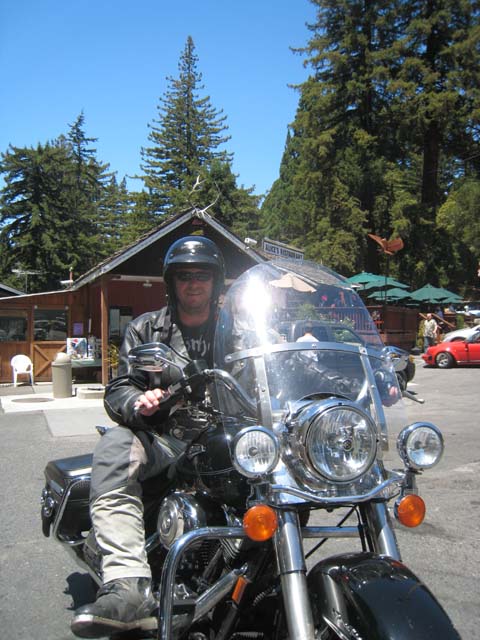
456,352
403,362
461,334
466,311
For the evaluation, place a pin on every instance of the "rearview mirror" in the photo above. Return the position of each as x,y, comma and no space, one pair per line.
152,356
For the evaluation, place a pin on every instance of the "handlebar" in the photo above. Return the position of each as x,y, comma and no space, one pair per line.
219,375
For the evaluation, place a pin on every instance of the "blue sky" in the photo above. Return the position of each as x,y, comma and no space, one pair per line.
111,60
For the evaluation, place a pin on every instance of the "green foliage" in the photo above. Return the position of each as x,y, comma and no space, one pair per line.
185,139
186,165
235,207
387,123
459,215
384,141
50,210
306,311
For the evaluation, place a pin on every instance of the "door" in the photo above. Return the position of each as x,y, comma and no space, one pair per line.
43,355
473,349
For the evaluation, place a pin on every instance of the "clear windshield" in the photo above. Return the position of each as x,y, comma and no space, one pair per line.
291,331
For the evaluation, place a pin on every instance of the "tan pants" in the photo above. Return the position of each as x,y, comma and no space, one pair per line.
121,462
117,518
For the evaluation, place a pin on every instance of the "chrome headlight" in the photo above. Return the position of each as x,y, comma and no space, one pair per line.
255,451
339,440
420,445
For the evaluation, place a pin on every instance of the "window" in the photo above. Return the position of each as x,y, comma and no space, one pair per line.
119,318
50,324
13,326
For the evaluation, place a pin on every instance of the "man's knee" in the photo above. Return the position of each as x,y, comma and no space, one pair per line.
117,461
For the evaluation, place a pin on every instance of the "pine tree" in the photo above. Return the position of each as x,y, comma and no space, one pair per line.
53,209
91,183
185,139
334,146
37,229
387,123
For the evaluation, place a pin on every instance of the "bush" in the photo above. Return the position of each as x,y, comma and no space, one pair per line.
307,311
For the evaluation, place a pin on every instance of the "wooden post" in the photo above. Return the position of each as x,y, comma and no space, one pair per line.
104,327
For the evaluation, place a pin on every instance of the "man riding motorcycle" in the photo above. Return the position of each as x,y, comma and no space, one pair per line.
147,440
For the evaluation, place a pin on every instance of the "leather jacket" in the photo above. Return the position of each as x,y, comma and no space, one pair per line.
122,392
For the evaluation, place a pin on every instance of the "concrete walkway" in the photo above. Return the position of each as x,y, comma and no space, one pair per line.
73,416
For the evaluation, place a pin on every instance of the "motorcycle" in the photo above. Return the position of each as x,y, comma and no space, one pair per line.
290,455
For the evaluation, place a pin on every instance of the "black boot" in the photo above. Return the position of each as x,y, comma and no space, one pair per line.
121,605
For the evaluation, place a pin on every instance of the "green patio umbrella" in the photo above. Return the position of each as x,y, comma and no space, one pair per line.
391,294
362,278
429,293
381,282
454,299
449,296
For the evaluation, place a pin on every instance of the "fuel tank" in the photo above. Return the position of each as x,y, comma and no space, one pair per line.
366,596
212,466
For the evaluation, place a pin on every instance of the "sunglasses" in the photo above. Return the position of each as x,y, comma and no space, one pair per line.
188,276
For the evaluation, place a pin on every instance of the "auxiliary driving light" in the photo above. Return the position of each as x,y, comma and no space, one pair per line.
255,451
420,445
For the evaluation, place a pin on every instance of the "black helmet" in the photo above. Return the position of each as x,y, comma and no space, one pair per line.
194,251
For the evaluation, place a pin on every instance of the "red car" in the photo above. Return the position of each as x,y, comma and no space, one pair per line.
449,354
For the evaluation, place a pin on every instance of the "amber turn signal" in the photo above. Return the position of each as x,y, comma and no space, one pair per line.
260,523
410,510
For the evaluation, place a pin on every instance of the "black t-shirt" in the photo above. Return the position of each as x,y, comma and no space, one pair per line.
199,341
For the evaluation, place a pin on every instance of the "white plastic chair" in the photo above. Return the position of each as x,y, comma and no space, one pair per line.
21,365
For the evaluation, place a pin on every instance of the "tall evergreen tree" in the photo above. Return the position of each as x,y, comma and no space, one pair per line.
434,86
37,228
432,81
378,136
53,209
185,139
91,184
337,133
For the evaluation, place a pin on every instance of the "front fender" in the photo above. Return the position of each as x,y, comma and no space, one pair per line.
363,596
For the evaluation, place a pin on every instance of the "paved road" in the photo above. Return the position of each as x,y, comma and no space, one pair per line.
39,583
445,550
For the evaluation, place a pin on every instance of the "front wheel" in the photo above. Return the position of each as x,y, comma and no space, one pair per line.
444,361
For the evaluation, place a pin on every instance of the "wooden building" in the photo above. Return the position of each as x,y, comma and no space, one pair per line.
98,305
101,302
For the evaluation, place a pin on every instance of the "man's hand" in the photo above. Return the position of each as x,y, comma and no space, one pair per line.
148,403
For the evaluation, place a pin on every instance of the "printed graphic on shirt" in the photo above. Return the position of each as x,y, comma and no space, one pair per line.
198,341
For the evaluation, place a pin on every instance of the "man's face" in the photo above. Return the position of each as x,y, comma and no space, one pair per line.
193,288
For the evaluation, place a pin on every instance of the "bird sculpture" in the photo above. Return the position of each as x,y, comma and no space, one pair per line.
390,247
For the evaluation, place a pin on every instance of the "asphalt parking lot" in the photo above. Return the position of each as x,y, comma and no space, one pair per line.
40,584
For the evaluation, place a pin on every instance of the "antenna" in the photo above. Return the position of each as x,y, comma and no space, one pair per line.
26,273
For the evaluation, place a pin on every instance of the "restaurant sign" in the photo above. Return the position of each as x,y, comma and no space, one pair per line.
280,250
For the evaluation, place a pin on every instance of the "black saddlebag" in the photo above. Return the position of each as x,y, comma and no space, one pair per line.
65,498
